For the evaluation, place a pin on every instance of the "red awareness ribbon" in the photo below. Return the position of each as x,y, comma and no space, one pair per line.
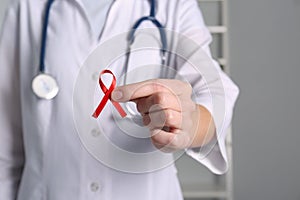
107,96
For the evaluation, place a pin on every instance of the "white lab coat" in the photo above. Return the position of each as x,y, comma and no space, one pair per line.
41,155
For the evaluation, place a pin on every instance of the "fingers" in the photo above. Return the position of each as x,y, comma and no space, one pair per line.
166,141
162,103
163,141
149,87
158,101
163,118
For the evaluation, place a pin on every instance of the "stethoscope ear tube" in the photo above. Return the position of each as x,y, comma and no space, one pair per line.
162,32
44,36
161,28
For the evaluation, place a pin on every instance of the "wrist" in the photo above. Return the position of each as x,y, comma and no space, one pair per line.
203,130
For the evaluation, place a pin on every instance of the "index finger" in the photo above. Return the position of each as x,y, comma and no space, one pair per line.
146,88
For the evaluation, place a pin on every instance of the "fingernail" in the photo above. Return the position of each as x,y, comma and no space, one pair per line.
117,95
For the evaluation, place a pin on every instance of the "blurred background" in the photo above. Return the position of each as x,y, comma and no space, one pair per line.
257,42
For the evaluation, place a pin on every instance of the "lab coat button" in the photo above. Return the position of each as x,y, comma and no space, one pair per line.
95,76
94,187
95,132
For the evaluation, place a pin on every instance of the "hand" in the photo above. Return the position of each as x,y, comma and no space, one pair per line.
167,110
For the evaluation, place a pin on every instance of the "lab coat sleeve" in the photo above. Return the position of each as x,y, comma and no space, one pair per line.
11,141
212,88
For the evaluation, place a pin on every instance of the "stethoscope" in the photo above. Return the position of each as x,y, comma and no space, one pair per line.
45,86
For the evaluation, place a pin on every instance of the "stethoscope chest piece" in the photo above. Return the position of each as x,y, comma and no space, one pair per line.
45,86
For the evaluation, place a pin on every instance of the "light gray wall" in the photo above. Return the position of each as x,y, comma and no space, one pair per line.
3,4
265,62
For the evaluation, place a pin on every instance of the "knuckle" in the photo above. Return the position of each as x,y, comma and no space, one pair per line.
188,87
168,115
159,98
155,85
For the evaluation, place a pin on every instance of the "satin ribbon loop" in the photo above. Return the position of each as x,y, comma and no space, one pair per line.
107,96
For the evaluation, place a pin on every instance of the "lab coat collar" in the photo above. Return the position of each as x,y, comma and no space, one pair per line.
85,14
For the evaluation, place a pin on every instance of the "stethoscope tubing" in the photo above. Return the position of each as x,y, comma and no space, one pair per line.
44,36
38,83
151,18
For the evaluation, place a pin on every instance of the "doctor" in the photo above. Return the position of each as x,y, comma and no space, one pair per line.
41,156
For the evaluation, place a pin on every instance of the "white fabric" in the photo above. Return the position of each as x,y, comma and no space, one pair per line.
96,12
43,134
